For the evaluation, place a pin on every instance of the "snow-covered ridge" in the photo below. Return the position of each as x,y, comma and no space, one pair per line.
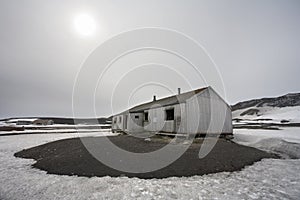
58,120
268,113
28,125
288,100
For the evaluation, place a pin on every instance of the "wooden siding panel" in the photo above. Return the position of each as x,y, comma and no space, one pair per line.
207,113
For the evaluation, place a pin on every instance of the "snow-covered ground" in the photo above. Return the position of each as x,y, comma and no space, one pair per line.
20,119
56,125
285,141
60,130
250,136
267,179
54,128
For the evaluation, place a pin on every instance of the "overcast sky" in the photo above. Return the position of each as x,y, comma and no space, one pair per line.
255,45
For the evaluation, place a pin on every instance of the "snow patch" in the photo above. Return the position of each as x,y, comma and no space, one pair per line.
286,149
285,142
250,136
43,131
20,119
267,179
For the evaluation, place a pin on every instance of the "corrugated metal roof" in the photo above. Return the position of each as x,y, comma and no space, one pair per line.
175,99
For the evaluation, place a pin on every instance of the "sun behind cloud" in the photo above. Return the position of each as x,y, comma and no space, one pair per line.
85,24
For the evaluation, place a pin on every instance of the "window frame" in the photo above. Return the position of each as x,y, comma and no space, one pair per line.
167,114
146,114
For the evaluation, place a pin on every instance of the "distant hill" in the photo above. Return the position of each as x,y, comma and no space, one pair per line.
283,110
292,99
62,120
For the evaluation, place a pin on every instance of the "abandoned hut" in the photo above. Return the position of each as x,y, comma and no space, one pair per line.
200,111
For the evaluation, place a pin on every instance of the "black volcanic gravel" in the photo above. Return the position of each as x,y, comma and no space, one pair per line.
70,157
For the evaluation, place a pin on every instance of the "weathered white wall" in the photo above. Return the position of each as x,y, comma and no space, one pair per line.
208,113
118,125
135,125
157,120
181,119
228,123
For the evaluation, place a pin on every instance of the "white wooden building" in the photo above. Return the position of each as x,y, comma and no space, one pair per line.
200,111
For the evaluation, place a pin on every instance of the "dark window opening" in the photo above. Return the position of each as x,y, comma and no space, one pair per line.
146,114
170,114
136,117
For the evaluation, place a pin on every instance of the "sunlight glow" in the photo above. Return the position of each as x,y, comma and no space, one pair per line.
85,25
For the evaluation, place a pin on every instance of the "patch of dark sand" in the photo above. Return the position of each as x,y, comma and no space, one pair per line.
70,157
